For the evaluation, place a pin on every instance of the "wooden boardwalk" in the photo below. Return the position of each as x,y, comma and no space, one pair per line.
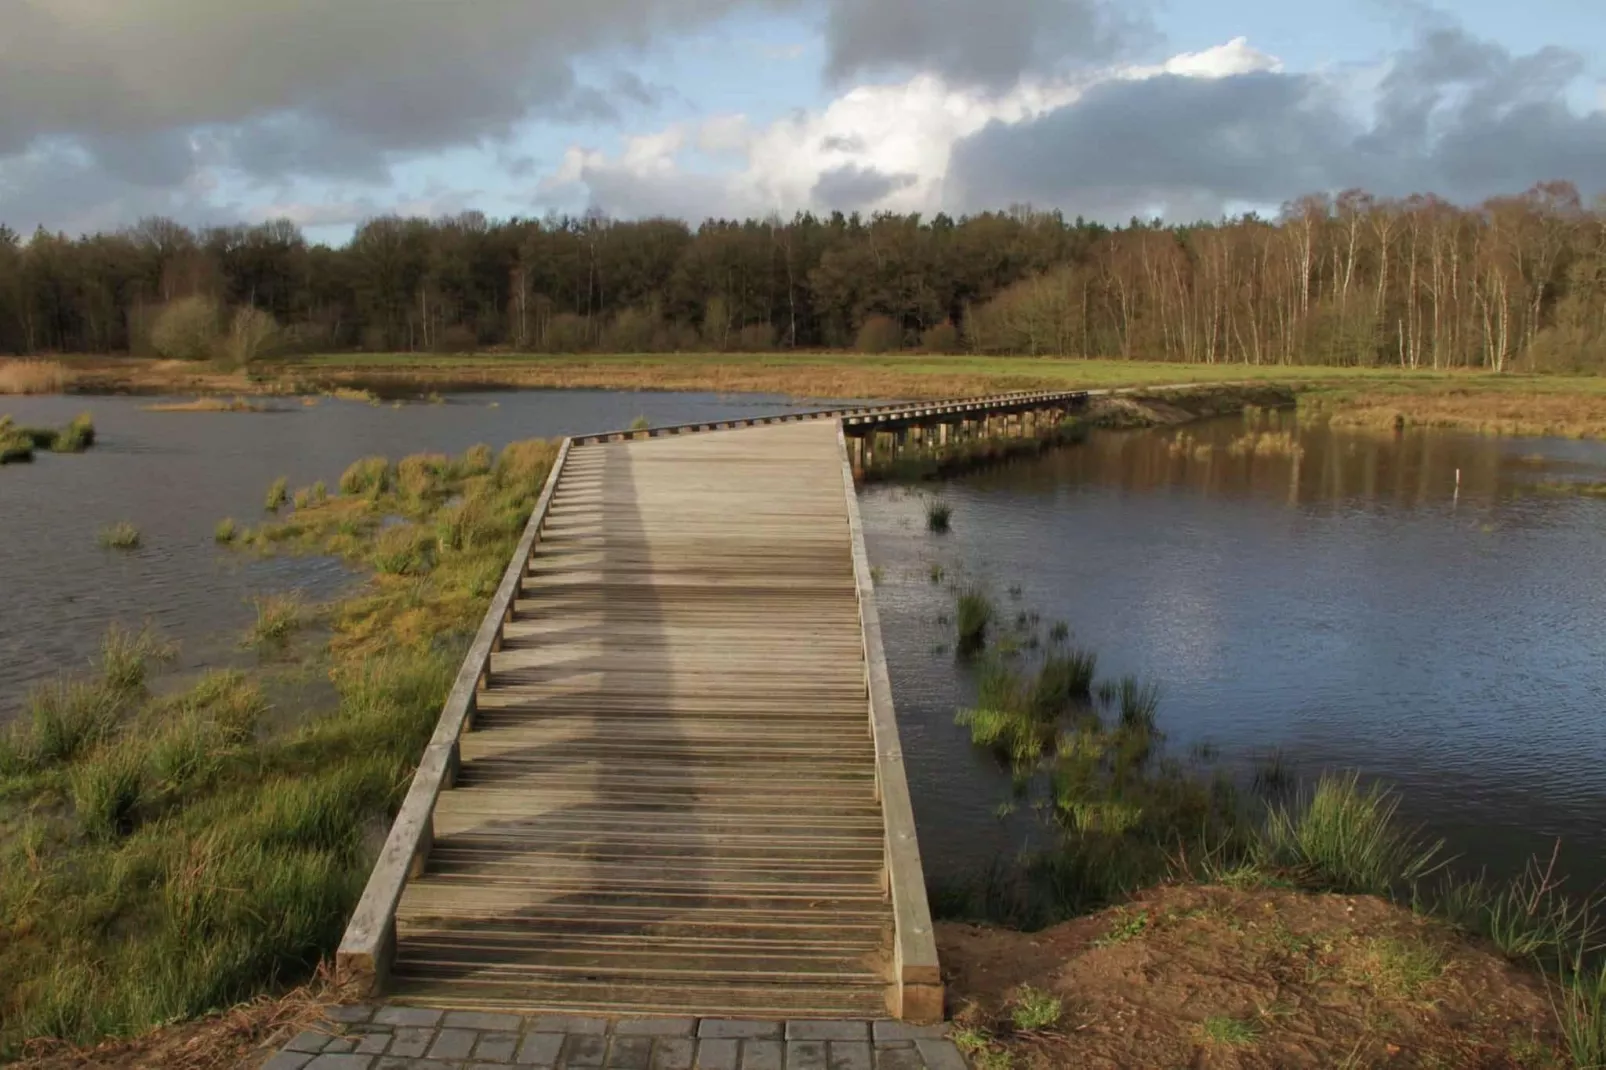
669,802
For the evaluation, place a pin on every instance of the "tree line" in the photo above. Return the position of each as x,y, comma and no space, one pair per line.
1352,279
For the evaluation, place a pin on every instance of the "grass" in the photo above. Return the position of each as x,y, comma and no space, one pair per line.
226,530
371,476
120,536
1233,1032
1345,836
640,423
278,495
939,514
973,615
278,616
1034,1010
174,854
32,377
18,444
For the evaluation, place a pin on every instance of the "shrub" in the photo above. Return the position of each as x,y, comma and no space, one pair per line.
879,334
941,338
252,333
186,329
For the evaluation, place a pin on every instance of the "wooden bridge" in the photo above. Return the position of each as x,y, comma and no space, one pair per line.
668,779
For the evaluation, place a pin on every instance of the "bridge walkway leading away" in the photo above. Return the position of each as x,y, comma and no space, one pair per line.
682,793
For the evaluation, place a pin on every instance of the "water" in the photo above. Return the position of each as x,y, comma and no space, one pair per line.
175,475
1356,610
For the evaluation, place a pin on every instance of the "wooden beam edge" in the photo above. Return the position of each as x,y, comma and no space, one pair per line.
368,944
916,973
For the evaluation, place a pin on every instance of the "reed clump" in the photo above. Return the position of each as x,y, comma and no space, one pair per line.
371,476
278,495
939,516
278,617
973,615
32,377
122,535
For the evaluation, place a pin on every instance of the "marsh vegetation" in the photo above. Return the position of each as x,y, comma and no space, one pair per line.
168,854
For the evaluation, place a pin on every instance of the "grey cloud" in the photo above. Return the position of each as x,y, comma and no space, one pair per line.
851,187
1457,116
977,42
842,143
387,76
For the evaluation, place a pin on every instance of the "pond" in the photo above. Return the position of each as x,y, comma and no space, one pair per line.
174,475
1361,606
1412,607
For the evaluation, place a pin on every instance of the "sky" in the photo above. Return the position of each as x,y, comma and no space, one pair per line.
328,112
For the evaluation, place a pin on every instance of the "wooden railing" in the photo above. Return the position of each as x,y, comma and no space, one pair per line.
369,944
915,993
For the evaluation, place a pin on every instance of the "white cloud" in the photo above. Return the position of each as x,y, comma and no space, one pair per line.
874,147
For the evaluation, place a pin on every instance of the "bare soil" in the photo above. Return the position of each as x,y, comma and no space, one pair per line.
1220,979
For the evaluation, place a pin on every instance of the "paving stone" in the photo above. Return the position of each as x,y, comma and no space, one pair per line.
940,1055
390,1062
338,1045
827,1030
717,1054
310,1041
629,1053
738,1027
373,1044
356,1012
288,1060
453,1044
568,1023
407,1016
342,1061
889,1031
762,1054
850,1055
584,1049
540,1049
673,1053
480,1020
899,1059
412,1041
654,1027
805,1055
497,1047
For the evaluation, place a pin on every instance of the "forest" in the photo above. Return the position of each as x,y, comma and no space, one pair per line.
1516,283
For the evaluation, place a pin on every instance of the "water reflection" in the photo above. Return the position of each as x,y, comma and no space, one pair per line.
1347,601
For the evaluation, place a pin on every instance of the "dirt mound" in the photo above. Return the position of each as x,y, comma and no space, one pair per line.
1216,978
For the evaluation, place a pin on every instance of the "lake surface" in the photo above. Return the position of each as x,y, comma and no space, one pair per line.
1354,608
174,475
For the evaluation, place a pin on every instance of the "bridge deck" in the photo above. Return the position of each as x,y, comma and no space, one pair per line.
668,804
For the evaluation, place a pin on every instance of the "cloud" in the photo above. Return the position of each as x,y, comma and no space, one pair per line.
851,187
153,94
1452,114
1191,137
987,43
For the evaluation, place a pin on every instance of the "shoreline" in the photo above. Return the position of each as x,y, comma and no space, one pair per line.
1388,399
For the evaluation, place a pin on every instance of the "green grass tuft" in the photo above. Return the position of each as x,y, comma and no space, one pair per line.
120,536
278,617
371,476
1235,1032
226,530
973,613
1033,1010
1345,837
939,516
278,495
106,789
